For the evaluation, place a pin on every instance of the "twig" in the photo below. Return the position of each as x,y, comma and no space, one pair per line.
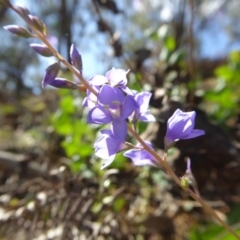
191,54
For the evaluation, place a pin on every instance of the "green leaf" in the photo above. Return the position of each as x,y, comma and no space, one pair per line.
224,72
118,204
67,104
170,43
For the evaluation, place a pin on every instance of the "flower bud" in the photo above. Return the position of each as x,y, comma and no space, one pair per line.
23,12
76,58
19,31
41,49
38,24
185,182
51,74
63,83
181,126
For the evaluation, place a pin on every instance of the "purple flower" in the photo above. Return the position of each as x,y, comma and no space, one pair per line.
51,74
141,157
117,77
107,146
91,100
76,58
142,112
114,77
113,107
181,126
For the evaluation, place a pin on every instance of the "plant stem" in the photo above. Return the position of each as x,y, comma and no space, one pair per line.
43,38
168,169
176,179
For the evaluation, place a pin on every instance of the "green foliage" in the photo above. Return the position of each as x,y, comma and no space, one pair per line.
214,231
78,137
223,100
69,122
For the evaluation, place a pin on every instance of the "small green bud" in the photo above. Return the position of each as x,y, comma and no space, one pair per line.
185,182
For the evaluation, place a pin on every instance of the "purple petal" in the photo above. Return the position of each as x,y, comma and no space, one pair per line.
99,115
110,96
63,83
140,157
143,101
76,58
180,117
117,77
147,117
91,99
180,125
108,161
98,80
119,129
194,133
107,145
51,74
107,132
129,105
128,91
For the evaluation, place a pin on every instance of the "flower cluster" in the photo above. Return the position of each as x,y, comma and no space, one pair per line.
110,101
117,105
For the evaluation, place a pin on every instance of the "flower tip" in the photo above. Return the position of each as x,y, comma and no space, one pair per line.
41,49
51,74
19,31
76,58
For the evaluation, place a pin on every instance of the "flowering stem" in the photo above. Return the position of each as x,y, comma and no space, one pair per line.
162,161
59,56
176,179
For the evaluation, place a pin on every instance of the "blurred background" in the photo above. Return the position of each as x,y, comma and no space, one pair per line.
186,52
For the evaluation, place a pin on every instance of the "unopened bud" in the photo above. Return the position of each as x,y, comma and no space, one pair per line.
51,74
76,58
41,49
38,24
19,31
23,12
63,83
185,181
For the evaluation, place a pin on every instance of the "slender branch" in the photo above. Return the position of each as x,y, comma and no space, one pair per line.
60,57
191,53
176,179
